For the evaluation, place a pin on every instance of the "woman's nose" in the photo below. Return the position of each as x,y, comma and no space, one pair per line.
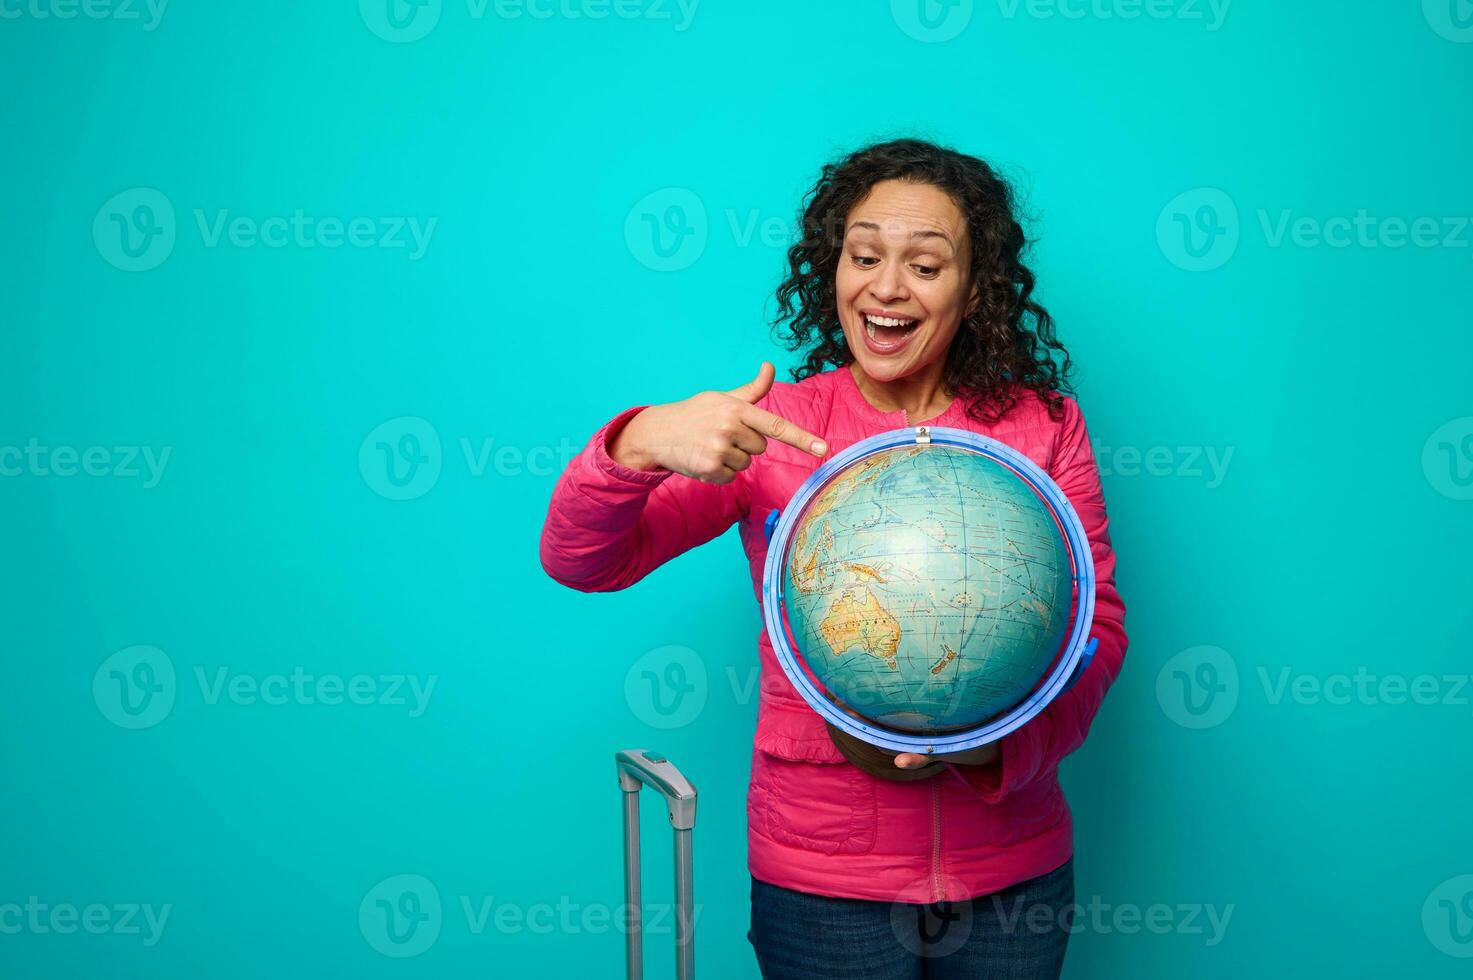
888,284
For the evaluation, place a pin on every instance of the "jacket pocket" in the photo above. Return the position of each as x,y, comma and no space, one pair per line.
790,729
826,807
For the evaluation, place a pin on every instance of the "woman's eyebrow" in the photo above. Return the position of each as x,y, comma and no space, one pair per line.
924,233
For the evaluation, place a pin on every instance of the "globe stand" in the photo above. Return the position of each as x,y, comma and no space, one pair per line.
876,761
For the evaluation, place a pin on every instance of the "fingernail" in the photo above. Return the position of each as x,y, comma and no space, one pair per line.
819,447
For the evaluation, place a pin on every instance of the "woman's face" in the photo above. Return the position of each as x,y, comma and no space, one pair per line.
906,261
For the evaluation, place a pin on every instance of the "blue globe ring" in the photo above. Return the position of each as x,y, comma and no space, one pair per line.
1078,652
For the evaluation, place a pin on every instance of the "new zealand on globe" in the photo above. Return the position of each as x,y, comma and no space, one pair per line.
926,586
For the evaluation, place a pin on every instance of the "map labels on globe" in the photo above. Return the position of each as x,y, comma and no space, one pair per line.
928,588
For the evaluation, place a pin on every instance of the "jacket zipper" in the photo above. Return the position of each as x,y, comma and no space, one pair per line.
936,842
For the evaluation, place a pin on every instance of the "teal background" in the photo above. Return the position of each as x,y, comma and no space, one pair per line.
1337,540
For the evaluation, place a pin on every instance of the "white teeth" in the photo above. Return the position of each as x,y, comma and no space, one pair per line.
870,322
888,321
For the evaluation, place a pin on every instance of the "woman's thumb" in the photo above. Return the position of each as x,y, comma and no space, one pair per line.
753,390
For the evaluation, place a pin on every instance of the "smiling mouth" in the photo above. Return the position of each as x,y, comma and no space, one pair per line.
888,330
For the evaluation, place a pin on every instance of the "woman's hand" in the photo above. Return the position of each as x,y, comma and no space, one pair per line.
710,436
982,755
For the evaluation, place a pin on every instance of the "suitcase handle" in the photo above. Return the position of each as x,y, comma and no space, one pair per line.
639,768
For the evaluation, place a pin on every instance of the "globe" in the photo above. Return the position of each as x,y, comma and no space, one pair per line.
927,587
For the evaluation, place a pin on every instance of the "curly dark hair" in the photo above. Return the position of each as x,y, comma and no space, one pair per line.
1002,349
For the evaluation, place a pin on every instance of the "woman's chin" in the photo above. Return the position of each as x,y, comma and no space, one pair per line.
884,369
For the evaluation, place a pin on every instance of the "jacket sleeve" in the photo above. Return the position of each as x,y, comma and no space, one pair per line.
1036,749
609,525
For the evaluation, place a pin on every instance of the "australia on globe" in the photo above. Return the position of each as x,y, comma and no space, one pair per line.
928,588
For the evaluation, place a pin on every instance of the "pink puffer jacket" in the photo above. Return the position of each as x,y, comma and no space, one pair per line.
816,822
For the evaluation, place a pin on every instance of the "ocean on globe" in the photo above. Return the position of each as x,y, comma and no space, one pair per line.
928,588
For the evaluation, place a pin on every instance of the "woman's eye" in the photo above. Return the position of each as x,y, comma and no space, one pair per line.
864,258
926,270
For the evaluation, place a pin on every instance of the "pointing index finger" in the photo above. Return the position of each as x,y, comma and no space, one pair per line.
776,427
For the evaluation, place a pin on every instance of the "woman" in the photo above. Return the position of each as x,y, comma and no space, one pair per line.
910,297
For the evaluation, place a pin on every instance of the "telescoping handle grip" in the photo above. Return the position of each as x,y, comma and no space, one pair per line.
639,768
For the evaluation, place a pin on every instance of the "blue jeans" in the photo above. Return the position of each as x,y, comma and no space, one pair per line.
1018,933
